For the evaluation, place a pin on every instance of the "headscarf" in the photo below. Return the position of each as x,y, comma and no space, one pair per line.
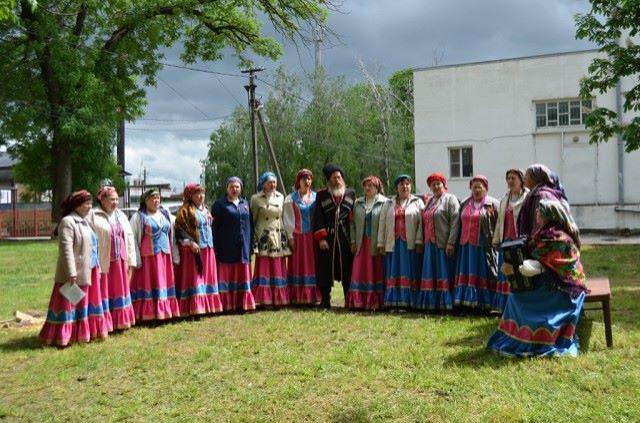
73,201
555,212
105,191
189,190
400,178
540,174
330,168
375,181
233,179
518,172
437,176
264,178
480,178
555,181
145,196
302,173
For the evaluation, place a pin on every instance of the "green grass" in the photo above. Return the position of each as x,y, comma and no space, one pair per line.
310,365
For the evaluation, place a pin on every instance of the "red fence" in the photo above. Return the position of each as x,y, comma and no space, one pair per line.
25,222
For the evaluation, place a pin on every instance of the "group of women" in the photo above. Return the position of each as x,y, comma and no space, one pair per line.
425,253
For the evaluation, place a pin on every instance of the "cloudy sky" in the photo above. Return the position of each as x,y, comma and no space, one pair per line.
387,35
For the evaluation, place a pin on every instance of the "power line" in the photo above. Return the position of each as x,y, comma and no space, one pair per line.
183,97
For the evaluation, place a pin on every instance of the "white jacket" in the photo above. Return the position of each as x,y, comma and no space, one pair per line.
99,220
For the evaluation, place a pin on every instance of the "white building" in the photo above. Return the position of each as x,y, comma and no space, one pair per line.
490,116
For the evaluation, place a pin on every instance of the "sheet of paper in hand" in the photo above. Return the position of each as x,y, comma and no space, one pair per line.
72,292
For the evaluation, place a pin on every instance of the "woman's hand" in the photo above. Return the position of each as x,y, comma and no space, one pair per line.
195,248
507,269
449,250
419,248
381,251
324,245
73,279
292,244
353,248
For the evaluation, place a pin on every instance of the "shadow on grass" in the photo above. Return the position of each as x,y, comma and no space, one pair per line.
479,357
352,415
25,343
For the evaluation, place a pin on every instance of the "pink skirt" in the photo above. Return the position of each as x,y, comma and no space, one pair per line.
366,290
197,294
83,322
153,292
269,285
234,284
301,272
117,295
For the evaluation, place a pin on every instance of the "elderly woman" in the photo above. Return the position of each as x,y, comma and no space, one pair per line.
543,184
366,290
439,221
232,241
296,221
116,245
196,274
153,290
78,318
476,267
506,230
270,244
400,236
543,321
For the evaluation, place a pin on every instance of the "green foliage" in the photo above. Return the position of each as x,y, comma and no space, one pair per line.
611,24
71,70
341,123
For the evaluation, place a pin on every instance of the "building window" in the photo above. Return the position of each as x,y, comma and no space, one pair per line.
562,112
461,162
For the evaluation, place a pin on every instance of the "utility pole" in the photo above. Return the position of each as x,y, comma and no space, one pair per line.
318,34
251,92
270,149
120,141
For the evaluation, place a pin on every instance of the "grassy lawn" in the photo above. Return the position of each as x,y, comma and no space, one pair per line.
311,365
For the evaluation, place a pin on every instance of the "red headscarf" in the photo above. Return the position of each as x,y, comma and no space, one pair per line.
302,173
189,190
105,192
73,200
437,176
375,181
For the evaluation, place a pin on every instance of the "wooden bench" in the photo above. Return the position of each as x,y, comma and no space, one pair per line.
601,293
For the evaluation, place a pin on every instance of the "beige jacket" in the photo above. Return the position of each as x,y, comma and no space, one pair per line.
517,205
269,236
74,250
413,222
99,220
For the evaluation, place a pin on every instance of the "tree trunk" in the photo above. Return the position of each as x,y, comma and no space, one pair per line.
61,174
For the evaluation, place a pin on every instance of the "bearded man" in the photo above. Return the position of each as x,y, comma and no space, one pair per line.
330,224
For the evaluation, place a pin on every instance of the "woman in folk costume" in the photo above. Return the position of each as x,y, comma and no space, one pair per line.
543,321
439,222
271,244
296,221
366,290
78,268
153,290
196,274
476,268
542,184
116,245
400,236
232,240
510,206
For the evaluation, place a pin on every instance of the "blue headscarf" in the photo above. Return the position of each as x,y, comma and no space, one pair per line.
264,178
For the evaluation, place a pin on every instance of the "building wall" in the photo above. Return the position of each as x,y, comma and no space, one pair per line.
491,107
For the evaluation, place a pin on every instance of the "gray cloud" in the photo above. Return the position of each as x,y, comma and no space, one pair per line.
386,35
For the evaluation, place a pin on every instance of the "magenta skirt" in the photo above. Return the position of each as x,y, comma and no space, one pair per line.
366,290
301,271
83,322
269,284
234,284
197,294
153,292
116,296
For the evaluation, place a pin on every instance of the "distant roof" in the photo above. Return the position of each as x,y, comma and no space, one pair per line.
539,56
6,160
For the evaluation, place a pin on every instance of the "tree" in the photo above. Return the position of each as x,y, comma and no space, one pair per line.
606,24
72,69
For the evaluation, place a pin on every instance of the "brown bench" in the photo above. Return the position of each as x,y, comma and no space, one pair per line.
601,293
